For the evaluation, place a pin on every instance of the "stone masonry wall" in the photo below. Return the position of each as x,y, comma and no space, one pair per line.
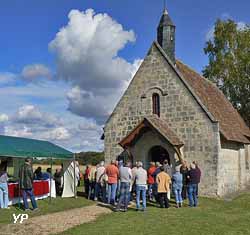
178,108
233,170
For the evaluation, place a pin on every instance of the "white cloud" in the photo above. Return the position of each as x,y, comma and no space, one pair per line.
241,25
210,34
88,105
4,118
87,126
20,132
35,71
59,133
29,114
7,78
72,132
225,16
86,51
90,76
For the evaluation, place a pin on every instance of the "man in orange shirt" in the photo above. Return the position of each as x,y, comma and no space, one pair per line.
151,180
113,173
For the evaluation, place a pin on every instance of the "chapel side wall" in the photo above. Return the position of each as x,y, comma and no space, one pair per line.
247,157
180,110
233,169
228,171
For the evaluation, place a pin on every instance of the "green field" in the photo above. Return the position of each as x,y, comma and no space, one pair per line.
211,217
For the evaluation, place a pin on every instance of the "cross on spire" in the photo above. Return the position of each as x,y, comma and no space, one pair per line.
165,7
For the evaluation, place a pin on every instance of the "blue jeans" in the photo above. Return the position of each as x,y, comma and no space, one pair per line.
177,193
192,195
112,193
140,189
29,192
4,196
91,194
155,193
124,195
100,189
118,189
150,191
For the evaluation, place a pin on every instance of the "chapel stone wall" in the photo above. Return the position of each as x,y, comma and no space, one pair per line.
178,108
233,172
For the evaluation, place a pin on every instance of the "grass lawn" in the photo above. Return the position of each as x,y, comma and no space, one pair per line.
57,204
211,217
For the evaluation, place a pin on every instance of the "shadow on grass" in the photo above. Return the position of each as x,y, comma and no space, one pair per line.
80,194
105,205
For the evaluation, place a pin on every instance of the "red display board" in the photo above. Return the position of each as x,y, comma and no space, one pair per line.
40,187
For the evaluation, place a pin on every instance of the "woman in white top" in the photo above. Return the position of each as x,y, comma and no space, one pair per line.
4,195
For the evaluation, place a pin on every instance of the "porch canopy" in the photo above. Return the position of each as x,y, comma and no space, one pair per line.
17,147
157,125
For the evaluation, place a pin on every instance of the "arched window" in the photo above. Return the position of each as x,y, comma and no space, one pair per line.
156,104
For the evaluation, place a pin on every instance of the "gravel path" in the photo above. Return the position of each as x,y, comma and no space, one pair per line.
55,222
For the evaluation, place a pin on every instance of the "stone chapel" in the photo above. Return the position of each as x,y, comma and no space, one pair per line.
169,111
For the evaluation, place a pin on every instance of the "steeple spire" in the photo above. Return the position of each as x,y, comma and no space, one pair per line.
165,6
166,34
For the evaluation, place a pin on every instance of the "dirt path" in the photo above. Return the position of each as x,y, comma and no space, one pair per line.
56,222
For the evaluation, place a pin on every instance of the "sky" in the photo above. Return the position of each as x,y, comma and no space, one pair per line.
65,64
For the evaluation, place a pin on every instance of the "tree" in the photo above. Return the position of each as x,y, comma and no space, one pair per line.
229,63
93,158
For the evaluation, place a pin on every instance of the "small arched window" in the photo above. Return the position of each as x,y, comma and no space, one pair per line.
156,104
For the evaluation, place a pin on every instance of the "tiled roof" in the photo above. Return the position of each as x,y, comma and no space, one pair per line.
162,127
232,126
157,124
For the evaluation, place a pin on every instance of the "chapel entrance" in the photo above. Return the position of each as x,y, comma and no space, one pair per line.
158,154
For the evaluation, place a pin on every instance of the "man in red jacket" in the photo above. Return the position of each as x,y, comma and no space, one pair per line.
151,180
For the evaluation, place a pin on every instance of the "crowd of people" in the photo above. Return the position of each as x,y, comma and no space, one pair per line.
119,183
39,175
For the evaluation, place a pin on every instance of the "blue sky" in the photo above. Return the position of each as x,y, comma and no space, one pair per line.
39,78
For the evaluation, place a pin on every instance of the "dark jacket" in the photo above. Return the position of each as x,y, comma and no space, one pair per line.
199,174
184,172
26,176
194,176
157,171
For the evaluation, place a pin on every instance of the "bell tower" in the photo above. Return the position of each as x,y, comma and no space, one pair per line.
166,35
